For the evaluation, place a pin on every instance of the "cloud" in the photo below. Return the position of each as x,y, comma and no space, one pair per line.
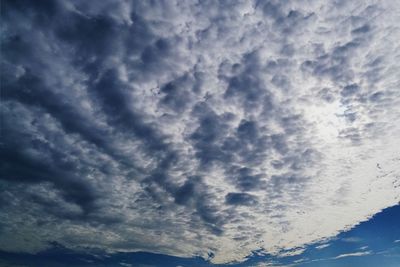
355,254
240,199
352,239
293,252
184,128
322,246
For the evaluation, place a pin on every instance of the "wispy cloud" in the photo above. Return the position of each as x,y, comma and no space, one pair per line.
322,246
355,254
352,239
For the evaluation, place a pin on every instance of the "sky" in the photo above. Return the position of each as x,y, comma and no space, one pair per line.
200,133
371,243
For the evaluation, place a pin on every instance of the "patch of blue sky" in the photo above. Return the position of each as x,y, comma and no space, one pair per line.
371,243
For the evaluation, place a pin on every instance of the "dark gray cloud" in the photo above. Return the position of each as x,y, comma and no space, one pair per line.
240,199
194,128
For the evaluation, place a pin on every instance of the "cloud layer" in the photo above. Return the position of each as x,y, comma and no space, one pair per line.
196,128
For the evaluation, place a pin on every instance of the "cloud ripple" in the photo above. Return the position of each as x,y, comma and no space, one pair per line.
196,128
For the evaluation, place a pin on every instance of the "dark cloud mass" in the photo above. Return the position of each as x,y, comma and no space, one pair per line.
195,127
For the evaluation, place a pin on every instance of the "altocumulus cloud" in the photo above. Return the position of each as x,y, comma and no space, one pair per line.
196,127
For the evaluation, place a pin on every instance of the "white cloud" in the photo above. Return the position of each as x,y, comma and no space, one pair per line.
355,254
322,246
293,252
186,128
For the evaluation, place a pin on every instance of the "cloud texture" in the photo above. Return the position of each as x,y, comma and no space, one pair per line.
212,128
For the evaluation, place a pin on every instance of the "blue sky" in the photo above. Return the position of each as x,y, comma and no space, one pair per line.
219,132
375,242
